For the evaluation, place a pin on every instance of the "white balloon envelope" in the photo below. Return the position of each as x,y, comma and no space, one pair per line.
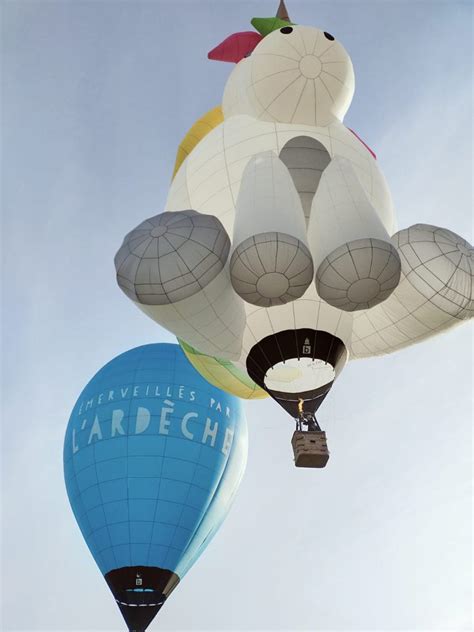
307,270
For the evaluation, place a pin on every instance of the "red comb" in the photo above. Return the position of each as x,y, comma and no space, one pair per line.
235,47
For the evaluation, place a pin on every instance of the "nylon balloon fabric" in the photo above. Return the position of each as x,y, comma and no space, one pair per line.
315,273
153,457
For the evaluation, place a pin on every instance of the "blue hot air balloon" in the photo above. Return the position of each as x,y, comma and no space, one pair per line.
153,457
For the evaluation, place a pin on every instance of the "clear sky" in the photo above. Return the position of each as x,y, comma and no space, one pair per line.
96,96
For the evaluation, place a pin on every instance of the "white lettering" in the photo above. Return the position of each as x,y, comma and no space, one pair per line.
227,411
181,392
124,391
111,396
143,420
192,396
184,425
80,409
100,398
157,391
208,432
89,404
75,447
168,391
135,391
228,438
95,431
117,416
212,402
164,422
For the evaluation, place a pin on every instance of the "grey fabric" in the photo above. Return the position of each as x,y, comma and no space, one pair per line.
271,269
171,256
306,158
359,274
440,265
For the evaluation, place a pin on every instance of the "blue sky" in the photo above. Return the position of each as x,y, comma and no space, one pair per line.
96,97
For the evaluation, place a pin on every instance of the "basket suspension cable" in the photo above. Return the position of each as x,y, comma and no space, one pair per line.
307,419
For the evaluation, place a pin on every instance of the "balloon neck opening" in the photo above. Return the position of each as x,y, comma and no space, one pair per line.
297,367
140,592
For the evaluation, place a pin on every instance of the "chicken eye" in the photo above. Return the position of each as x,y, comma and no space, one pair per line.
328,36
286,30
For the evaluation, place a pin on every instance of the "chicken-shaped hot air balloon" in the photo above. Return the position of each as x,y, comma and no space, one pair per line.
277,259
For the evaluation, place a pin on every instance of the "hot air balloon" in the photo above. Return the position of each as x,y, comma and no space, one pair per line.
278,252
153,457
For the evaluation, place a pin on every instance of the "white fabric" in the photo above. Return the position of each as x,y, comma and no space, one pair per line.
307,312
267,201
435,292
209,179
293,91
271,263
299,77
213,320
341,212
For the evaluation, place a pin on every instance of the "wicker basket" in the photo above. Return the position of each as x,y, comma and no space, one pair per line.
310,448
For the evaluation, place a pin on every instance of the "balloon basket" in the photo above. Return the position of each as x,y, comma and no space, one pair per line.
310,448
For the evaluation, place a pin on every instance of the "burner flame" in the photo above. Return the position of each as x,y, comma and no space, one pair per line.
300,406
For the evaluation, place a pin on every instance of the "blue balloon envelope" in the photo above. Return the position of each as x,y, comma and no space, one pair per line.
153,456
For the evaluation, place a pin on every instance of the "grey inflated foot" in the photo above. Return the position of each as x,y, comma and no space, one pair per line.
359,274
171,256
271,269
